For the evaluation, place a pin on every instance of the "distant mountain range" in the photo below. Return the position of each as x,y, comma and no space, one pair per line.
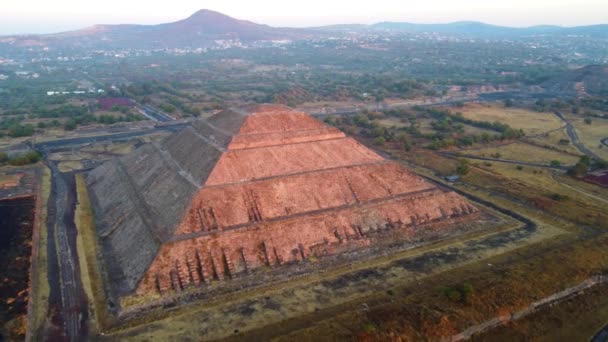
205,27
480,30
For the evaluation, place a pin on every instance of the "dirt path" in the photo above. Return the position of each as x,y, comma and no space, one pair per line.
70,306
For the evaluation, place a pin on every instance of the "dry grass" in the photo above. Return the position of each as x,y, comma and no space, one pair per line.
590,135
524,152
41,288
393,122
537,187
552,140
530,121
577,319
69,166
86,245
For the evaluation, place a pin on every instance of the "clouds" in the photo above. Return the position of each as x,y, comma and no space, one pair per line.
58,15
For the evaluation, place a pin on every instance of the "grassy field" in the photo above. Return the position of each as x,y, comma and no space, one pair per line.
530,121
87,257
524,152
40,287
68,166
591,134
552,140
574,320
539,188
502,284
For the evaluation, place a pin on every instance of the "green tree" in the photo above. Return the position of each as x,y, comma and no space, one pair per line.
379,141
578,170
463,167
70,125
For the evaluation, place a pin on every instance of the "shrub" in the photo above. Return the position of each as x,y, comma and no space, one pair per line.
459,293
25,159
463,167
18,131
452,294
70,125
558,197
379,141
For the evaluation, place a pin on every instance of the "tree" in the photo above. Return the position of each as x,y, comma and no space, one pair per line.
463,167
555,163
578,170
379,141
70,125
588,121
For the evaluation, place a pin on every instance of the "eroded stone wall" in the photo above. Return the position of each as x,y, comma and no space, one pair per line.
219,255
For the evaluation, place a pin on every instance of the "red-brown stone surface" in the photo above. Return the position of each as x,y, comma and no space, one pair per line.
289,187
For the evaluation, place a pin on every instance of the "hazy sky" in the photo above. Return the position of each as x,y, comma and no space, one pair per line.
39,16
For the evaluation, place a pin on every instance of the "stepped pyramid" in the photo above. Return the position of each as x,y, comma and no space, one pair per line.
267,186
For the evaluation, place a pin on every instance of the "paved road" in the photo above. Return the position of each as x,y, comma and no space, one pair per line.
155,114
52,144
601,336
574,137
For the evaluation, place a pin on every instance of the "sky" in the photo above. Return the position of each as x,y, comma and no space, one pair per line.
47,16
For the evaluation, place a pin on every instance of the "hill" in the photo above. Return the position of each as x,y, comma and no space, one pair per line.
205,27
591,80
475,29
201,29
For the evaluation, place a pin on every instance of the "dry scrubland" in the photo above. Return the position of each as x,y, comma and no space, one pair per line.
502,284
530,121
523,152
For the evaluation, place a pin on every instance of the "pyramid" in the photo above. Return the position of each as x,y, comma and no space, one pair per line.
263,187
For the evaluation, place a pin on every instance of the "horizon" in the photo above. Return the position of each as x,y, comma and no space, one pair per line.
68,15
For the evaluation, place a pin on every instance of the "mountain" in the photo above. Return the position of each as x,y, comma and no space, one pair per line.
201,29
205,27
592,80
476,29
